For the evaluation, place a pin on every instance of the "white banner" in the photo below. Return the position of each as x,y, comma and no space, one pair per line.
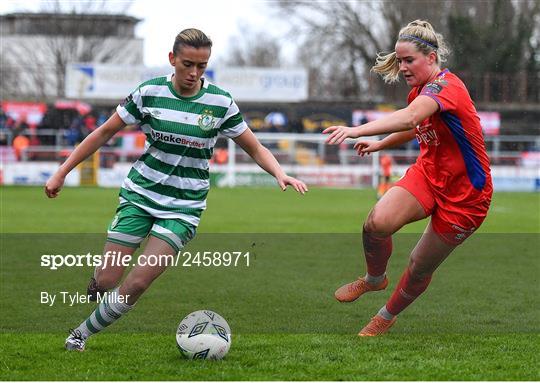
33,173
110,81
263,84
505,178
104,81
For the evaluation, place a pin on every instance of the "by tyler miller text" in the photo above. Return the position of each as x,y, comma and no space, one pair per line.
65,297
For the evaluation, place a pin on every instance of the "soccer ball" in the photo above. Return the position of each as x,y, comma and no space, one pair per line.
203,334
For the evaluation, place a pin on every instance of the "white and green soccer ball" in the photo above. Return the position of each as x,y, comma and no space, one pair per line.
203,334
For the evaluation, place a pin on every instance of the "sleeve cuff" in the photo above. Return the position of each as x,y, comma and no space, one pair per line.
125,116
235,131
432,96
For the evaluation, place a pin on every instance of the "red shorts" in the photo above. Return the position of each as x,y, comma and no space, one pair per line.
453,223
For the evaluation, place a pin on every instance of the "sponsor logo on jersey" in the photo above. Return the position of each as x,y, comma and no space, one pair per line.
206,120
436,86
433,88
174,139
426,134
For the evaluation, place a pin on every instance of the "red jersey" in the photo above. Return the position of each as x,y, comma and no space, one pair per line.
453,155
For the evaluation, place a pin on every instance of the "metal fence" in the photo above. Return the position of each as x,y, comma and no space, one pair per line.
288,148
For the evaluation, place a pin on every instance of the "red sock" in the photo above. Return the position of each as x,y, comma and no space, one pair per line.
377,251
407,290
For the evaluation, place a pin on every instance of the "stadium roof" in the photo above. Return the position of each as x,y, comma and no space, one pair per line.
68,24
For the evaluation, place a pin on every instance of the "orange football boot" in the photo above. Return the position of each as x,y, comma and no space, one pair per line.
352,291
377,326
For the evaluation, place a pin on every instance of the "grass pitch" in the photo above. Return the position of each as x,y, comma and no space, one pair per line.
477,321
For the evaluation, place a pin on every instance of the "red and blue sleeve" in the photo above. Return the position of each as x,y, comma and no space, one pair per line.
444,91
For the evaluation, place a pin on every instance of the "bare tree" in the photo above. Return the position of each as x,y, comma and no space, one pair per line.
81,31
252,48
335,40
86,6
496,48
339,40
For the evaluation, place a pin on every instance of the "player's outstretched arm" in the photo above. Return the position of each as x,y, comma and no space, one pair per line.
400,121
364,147
89,145
266,160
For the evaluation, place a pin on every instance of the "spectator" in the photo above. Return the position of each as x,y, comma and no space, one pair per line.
385,175
3,119
74,133
10,124
20,127
89,123
101,119
275,122
3,138
20,143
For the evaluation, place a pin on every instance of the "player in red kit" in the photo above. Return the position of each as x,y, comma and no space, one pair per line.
450,181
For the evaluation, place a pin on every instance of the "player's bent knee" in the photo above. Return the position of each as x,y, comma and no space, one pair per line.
138,286
106,281
418,271
377,223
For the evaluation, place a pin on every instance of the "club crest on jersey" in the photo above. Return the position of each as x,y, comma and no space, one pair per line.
206,120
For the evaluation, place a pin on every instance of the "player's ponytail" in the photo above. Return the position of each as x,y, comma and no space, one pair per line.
387,66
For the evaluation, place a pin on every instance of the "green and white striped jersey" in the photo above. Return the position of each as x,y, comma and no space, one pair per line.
171,178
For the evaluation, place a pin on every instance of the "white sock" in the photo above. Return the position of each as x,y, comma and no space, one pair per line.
107,312
372,280
385,314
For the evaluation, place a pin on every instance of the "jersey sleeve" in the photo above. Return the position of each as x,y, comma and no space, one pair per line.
130,110
444,91
233,124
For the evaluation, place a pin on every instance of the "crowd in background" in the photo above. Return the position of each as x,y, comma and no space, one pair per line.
74,126
65,128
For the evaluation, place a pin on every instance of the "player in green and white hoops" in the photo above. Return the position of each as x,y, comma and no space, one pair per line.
164,194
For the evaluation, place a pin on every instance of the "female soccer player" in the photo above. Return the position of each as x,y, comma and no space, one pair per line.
164,194
450,180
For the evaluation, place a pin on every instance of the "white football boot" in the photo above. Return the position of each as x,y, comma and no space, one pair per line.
75,341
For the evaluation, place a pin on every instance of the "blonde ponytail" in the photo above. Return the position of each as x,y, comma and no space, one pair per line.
387,66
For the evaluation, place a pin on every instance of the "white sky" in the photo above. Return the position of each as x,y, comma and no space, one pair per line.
163,19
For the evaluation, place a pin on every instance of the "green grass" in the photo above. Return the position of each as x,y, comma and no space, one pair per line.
477,321
276,357
242,210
